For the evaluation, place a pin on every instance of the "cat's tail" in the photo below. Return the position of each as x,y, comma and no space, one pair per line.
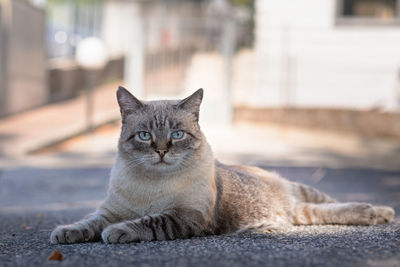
308,194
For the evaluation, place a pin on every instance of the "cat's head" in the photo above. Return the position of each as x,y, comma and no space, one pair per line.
160,136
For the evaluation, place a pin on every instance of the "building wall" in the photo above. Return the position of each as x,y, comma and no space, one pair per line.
304,59
24,61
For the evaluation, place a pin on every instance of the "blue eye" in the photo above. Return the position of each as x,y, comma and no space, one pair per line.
177,134
145,136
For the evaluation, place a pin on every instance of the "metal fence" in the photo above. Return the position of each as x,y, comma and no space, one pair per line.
160,40
70,21
170,32
173,35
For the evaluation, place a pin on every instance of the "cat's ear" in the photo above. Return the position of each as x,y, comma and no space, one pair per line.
127,102
192,103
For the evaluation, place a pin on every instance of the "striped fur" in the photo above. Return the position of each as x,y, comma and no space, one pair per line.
166,226
308,194
185,192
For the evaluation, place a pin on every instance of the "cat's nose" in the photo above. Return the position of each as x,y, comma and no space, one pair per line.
161,152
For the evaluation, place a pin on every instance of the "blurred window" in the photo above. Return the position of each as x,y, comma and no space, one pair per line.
368,11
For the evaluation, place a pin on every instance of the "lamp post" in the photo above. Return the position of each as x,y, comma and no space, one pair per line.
91,54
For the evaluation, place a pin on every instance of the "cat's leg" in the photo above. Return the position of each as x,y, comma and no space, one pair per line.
166,226
305,193
352,213
87,229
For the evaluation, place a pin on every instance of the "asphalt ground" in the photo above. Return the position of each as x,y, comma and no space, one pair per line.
61,184
34,200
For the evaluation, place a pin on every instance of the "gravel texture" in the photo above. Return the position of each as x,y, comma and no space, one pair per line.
34,201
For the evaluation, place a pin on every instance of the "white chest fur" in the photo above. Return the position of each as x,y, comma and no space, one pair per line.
133,196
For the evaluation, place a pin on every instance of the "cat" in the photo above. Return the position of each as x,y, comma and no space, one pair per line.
166,184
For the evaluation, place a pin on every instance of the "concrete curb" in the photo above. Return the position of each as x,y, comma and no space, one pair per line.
361,122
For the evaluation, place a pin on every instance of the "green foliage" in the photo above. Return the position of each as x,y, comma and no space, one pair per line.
248,3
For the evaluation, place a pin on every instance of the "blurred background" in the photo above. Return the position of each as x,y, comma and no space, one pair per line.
304,87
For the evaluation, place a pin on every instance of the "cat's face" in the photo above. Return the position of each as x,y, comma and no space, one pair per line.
160,136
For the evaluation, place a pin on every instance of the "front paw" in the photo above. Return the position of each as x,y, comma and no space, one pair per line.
68,234
118,233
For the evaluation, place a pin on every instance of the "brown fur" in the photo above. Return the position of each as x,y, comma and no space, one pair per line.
165,188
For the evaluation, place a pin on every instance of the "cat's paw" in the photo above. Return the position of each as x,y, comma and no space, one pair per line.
68,234
384,214
118,233
364,214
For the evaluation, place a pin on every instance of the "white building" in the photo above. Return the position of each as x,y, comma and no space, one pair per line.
327,53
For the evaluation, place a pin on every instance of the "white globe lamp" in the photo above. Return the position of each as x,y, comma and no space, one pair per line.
91,53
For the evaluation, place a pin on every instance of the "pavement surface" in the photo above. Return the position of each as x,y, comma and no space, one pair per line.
27,131
34,200
59,184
